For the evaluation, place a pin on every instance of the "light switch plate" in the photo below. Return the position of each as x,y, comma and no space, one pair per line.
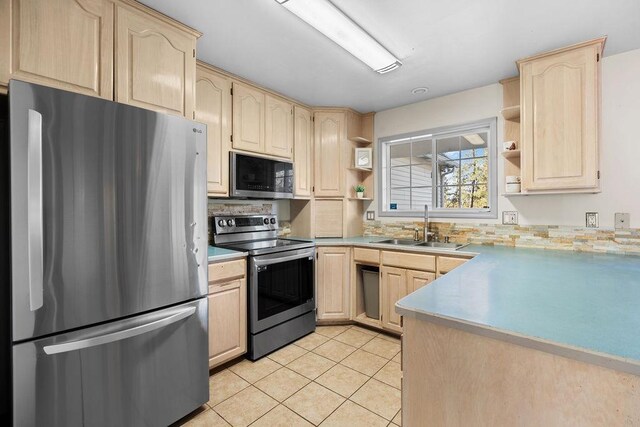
371,215
622,221
510,217
591,220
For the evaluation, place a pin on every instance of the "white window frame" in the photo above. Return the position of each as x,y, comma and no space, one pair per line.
438,133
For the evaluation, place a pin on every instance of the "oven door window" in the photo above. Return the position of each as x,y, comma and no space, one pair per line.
283,286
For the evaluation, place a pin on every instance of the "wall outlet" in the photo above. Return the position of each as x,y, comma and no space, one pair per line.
621,221
591,220
371,215
510,217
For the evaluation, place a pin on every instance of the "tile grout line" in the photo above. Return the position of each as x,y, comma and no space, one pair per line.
370,377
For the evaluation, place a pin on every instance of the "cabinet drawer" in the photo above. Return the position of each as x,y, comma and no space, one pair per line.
224,271
409,260
446,264
371,256
218,287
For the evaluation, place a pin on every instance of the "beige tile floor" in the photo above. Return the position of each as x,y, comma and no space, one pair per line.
337,376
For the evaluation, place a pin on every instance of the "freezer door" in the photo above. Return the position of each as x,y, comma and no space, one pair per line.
149,370
108,210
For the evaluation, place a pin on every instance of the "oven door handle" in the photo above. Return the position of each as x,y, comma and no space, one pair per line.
260,261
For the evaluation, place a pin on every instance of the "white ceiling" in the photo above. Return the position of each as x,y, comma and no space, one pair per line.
447,46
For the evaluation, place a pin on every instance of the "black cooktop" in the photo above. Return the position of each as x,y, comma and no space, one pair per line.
259,247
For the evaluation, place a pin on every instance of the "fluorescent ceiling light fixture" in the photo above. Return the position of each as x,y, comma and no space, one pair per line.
330,21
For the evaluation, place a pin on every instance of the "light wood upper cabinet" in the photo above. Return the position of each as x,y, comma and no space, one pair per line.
559,118
278,138
248,118
333,283
213,108
155,63
330,135
302,152
66,44
227,311
394,285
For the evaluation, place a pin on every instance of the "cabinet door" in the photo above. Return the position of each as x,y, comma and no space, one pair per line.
332,284
155,64
560,121
302,151
394,285
227,322
213,108
66,44
417,279
278,138
248,118
330,135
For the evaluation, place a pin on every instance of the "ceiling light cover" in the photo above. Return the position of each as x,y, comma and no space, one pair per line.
330,21
420,90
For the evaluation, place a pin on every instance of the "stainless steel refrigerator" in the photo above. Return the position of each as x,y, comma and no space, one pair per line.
108,262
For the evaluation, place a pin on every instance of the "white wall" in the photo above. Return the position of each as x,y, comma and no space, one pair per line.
619,146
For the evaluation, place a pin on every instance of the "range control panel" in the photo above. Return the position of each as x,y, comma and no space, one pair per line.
243,224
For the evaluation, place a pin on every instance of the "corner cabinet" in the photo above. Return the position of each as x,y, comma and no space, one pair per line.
213,108
227,311
302,152
560,98
67,44
155,63
333,283
329,169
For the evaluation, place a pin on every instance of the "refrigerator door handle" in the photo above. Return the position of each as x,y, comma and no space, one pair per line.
35,256
119,335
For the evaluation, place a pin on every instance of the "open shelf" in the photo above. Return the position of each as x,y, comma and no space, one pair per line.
361,140
510,154
511,113
361,169
361,198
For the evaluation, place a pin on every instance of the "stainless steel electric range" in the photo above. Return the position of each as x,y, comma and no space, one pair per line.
281,280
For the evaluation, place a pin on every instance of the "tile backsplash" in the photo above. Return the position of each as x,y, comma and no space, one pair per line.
251,208
529,236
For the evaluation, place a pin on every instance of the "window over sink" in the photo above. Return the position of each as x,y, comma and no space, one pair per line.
451,169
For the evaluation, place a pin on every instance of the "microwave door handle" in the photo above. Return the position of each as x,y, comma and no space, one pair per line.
111,337
35,256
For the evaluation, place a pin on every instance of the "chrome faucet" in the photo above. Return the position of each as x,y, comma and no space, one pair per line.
426,232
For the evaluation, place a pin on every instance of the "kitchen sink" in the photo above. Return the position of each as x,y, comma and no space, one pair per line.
437,245
442,245
405,242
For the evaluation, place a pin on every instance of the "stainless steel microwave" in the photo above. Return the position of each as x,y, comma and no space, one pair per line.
260,177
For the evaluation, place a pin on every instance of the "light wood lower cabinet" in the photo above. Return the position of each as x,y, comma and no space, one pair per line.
396,283
393,286
333,283
155,64
227,311
213,108
67,44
